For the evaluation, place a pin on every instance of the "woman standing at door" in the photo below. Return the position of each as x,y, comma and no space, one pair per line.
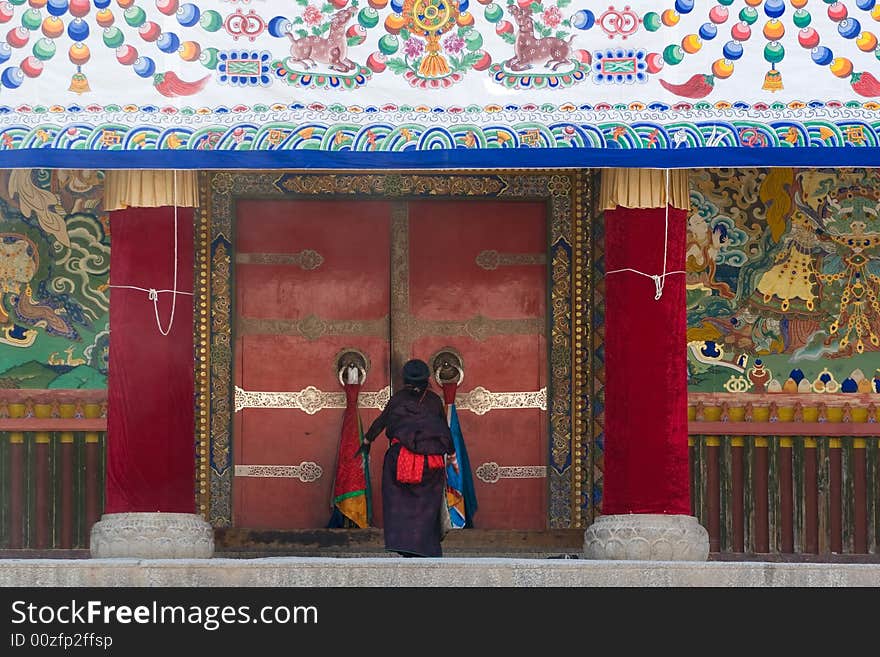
414,470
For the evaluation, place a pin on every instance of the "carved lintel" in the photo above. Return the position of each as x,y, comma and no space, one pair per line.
306,472
491,472
309,400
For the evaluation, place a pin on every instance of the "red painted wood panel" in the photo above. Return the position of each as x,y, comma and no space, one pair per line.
447,284
351,283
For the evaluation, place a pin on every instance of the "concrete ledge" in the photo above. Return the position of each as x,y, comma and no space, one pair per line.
399,572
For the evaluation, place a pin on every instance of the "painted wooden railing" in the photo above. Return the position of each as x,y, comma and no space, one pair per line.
786,474
52,446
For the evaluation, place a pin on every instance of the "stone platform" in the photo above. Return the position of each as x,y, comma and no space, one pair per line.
392,571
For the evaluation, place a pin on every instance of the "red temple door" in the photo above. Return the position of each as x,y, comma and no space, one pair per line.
475,281
311,280
394,281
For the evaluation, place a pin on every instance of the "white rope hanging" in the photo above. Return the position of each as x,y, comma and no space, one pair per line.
153,293
659,279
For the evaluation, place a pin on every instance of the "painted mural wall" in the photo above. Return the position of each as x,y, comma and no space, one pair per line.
783,280
54,272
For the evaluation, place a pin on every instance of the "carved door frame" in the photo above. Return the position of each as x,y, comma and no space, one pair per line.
574,466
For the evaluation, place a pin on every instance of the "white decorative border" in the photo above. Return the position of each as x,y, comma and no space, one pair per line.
309,400
491,472
306,472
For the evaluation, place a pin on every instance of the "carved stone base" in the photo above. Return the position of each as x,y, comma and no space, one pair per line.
152,536
646,537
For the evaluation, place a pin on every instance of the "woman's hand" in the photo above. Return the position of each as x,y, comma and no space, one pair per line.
452,460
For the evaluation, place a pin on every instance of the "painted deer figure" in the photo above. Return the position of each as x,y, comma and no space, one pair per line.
331,49
528,49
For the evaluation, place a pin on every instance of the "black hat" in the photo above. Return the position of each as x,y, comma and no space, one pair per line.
416,372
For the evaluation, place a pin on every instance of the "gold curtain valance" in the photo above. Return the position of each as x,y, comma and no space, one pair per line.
150,188
643,188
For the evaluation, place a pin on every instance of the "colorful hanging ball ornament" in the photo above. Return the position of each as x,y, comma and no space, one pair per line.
837,11
821,55
670,17
5,52
78,30
189,51
144,66
684,6
465,19
149,31
188,14
7,11
802,18
32,67
584,19
799,4
378,4
105,18
651,21
126,55
691,44
865,5
808,38
849,28
209,58
12,77
368,17
135,16
748,15
867,42
774,52
655,62
113,37
356,34
37,4
397,6
754,3
741,32
673,54
722,68
18,37
485,60
719,14
503,27
101,4
124,4
279,26
389,44
168,42
167,7
773,30
56,7
733,50
376,62
774,8
708,31
44,49
31,19
79,54
79,8
841,67
211,21
338,4
493,13
52,27
394,23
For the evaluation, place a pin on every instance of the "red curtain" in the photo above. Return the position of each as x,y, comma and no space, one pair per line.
646,457
150,416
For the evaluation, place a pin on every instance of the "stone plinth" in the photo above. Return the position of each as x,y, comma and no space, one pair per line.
646,537
152,536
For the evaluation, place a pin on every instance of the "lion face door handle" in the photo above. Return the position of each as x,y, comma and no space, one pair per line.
447,366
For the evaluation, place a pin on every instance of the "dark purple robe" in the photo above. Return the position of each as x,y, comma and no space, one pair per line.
411,512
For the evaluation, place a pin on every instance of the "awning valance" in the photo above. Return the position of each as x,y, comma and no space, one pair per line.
438,83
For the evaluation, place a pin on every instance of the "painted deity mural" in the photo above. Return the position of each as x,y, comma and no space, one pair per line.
783,280
54,271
